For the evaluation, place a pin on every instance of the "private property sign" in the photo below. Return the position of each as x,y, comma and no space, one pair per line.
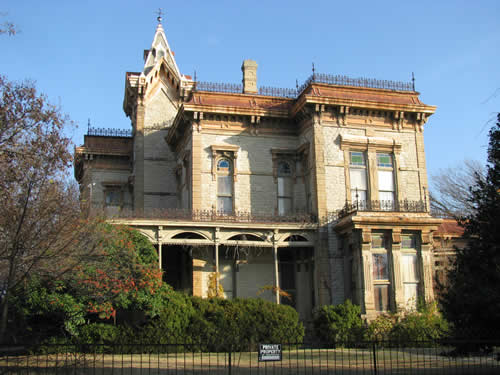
269,352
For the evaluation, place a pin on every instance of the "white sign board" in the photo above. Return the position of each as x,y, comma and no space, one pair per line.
269,352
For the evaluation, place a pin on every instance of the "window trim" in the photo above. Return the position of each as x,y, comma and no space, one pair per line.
371,146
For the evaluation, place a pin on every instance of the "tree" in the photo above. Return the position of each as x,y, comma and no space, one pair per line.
472,301
42,230
451,195
7,27
122,274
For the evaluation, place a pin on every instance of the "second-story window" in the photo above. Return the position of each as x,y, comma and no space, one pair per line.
385,181
285,188
357,174
224,186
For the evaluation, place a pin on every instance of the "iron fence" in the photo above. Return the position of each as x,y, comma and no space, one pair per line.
355,358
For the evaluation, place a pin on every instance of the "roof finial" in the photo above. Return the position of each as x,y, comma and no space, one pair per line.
160,13
413,81
314,73
195,75
88,126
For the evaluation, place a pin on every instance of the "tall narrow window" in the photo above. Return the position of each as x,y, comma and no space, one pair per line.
409,269
285,188
380,271
357,173
224,186
385,181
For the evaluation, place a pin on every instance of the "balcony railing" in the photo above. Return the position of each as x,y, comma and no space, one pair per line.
217,216
383,206
109,132
293,93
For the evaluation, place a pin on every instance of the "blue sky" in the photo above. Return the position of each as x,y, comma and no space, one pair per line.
78,53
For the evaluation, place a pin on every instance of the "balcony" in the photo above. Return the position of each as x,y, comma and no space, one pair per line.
383,206
179,214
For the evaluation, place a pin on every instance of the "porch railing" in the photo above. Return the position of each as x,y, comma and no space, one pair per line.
213,215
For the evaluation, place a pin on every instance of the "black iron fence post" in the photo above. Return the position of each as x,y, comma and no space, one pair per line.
229,364
374,347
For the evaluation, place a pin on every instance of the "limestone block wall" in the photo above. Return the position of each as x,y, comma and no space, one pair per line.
411,173
97,184
254,187
160,187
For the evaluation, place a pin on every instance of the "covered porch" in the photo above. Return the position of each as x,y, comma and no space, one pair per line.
274,261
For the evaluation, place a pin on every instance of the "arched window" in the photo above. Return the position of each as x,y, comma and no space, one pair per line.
285,188
224,186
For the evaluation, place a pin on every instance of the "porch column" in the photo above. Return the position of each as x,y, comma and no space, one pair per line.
158,239
217,269
276,274
160,261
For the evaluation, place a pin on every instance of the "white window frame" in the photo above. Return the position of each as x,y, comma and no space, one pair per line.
383,169
359,196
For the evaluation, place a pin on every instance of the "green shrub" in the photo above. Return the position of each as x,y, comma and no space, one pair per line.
381,328
172,323
264,321
242,323
426,324
339,324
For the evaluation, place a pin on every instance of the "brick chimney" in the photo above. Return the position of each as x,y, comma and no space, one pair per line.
249,69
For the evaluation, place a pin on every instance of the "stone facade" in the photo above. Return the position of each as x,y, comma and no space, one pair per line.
307,196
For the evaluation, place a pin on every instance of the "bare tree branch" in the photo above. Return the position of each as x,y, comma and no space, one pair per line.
450,189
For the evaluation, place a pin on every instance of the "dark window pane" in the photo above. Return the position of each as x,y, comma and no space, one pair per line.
380,271
113,198
409,241
379,241
284,169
